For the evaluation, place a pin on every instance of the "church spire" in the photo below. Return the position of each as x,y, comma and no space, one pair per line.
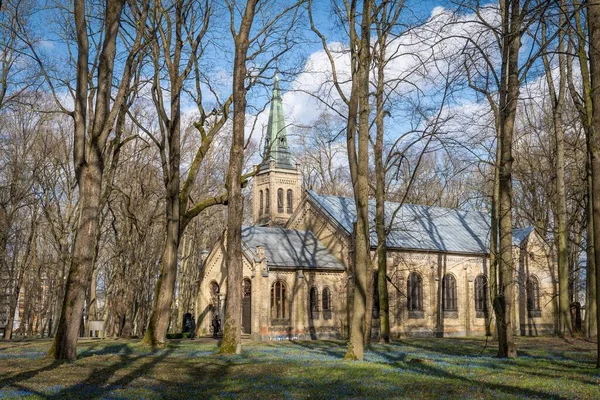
276,145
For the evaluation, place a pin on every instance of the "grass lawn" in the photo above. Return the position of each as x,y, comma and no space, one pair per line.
411,368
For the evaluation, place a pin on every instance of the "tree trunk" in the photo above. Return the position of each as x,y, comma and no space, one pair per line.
594,132
232,340
64,346
360,183
89,171
591,321
557,96
156,333
384,307
509,94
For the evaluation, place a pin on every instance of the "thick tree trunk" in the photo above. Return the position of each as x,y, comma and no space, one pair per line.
360,181
509,94
556,92
594,133
64,346
89,171
156,333
494,234
384,307
591,322
232,341
562,234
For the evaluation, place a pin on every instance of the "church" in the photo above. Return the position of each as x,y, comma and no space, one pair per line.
297,263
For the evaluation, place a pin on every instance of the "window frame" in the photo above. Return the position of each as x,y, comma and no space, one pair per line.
449,296
532,290
313,302
327,303
280,207
481,297
290,201
280,312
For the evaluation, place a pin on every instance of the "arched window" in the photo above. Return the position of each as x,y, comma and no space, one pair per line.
414,292
290,201
533,296
260,204
326,303
449,302
267,202
214,297
279,306
481,296
214,288
376,307
314,302
280,200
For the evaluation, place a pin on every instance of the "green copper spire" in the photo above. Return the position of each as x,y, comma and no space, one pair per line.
276,145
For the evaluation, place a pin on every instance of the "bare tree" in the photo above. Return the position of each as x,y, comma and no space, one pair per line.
88,156
593,19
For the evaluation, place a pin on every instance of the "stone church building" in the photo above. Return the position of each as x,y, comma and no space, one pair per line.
297,259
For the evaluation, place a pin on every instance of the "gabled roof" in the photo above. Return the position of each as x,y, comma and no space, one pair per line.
417,227
520,234
290,249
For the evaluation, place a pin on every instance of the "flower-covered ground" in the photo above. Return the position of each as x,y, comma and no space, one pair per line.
547,368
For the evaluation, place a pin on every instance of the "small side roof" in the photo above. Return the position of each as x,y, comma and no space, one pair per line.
290,248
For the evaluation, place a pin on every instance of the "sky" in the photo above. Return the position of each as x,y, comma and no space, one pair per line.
305,68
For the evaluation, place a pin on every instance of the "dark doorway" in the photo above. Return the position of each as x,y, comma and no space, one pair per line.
246,306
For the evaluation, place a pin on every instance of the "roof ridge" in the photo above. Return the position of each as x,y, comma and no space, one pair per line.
400,204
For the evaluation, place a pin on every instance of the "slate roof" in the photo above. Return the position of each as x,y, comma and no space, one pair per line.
520,234
287,248
419,227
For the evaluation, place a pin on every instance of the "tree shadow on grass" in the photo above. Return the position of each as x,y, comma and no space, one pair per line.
26,375
323,347
430,369
96,384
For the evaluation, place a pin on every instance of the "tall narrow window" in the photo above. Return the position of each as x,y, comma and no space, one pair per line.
260,204
449,293
280,200
314,303
481,296
414,292
290,201
376,308
267,202
533,296
279,306
326,303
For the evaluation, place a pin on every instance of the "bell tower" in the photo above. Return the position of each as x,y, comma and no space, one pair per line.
276,189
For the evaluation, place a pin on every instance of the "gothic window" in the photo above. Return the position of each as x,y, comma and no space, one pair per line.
214,295
290,201
314,303
267,202
533,296
376,308
414,292
326,303
280,200
214,288
449,298
481,296
279,306
260,205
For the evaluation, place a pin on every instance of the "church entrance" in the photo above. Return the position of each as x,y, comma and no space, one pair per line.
246,306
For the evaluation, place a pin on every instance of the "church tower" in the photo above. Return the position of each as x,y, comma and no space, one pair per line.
276,189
